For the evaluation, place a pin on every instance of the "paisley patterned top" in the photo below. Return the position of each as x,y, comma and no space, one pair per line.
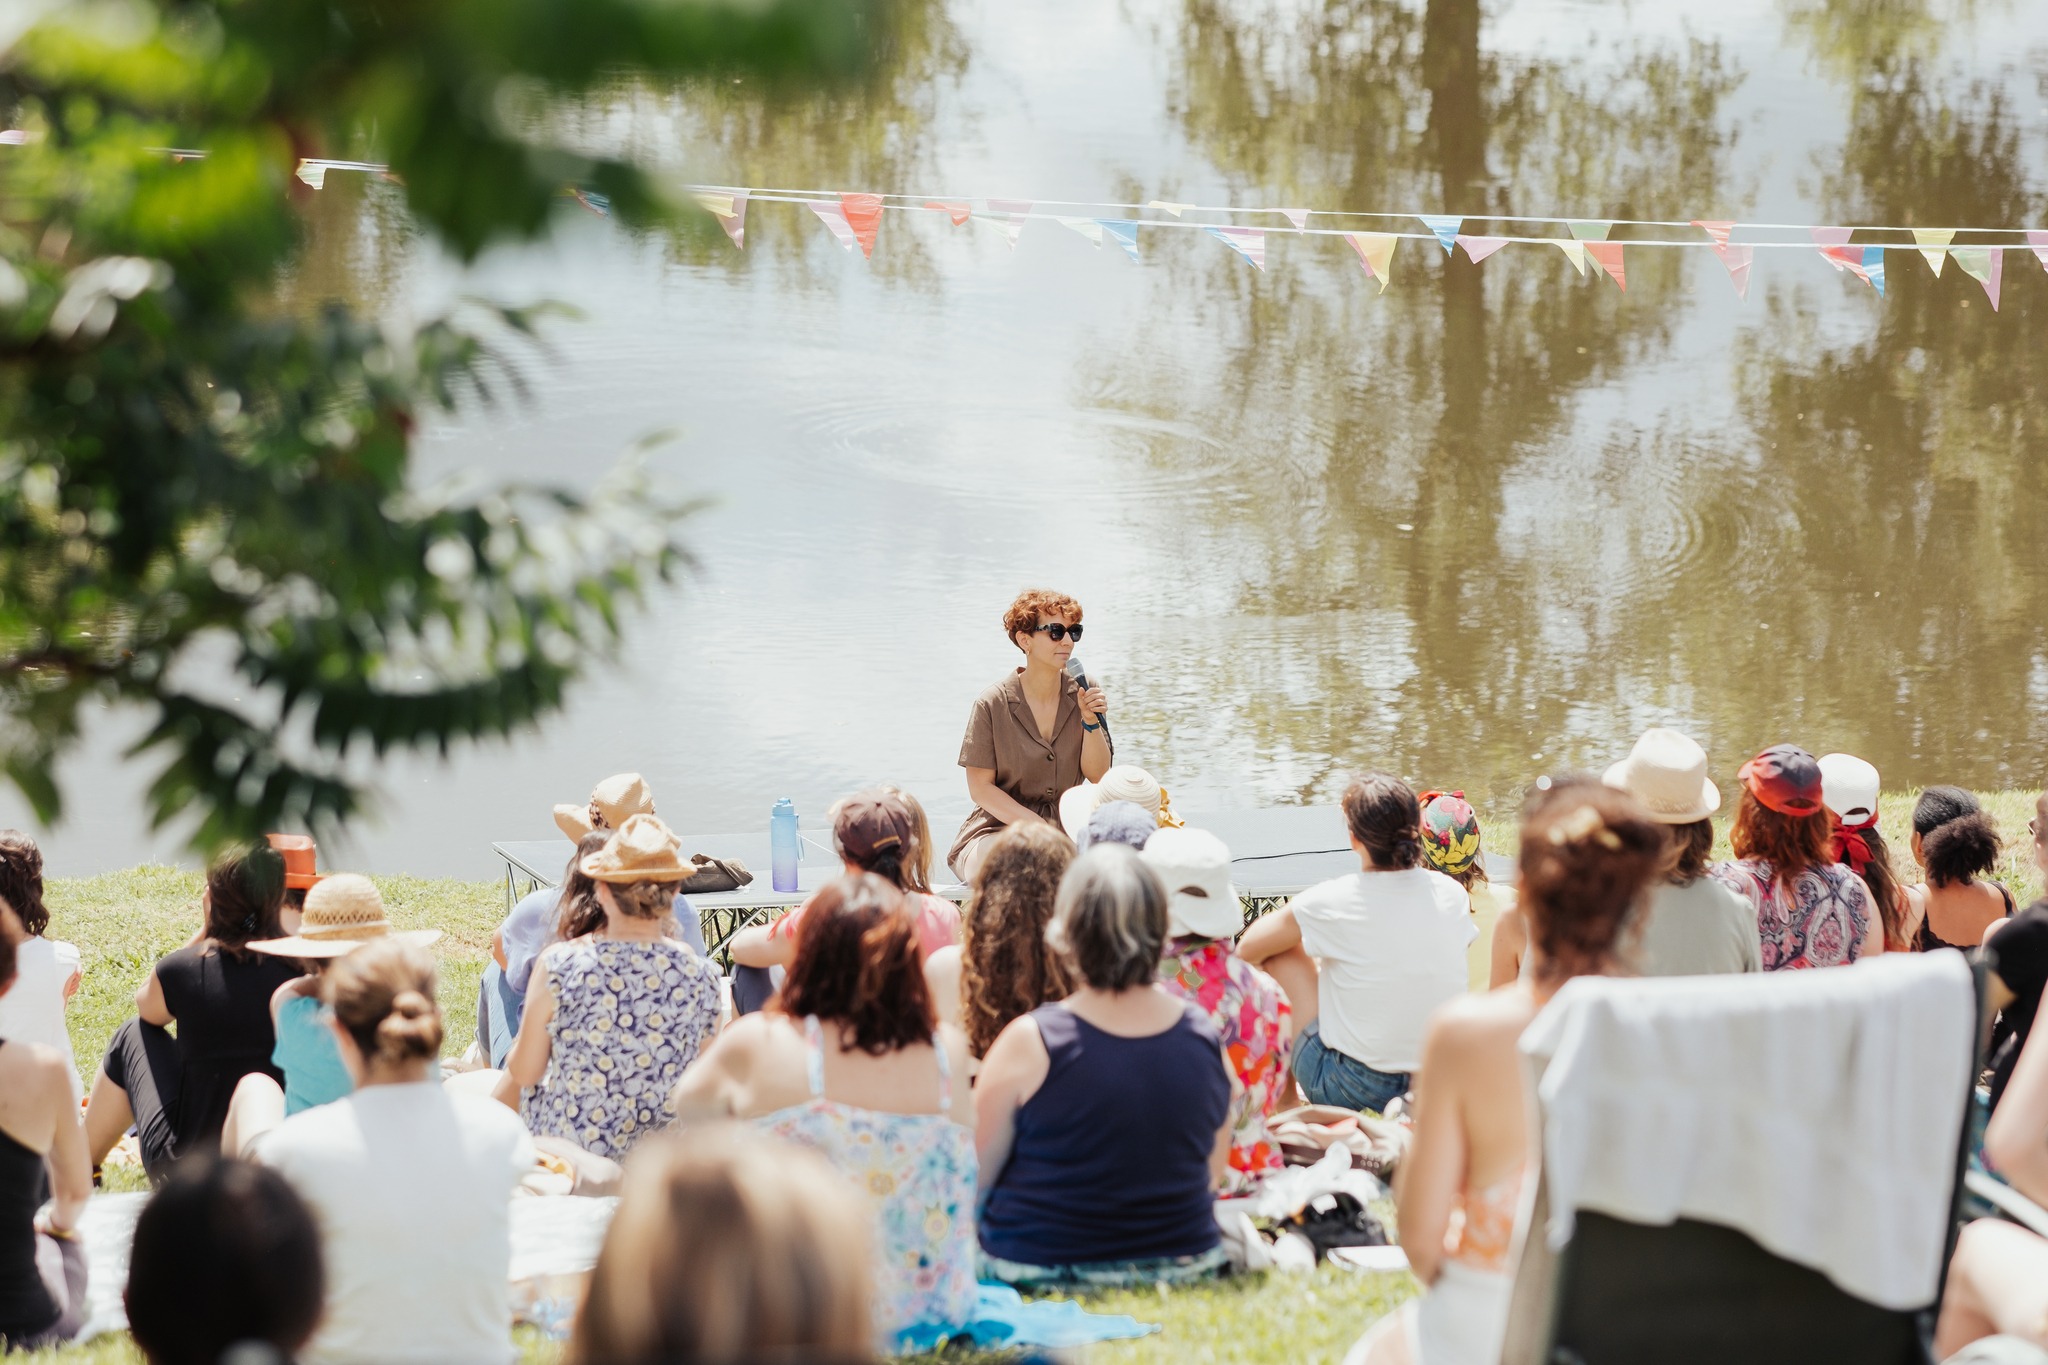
1820,924
919,1170
1250,1014
629,1016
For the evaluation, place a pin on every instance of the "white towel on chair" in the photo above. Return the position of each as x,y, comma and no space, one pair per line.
1817,1111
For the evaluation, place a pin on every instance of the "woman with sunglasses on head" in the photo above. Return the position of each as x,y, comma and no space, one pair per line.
1032,735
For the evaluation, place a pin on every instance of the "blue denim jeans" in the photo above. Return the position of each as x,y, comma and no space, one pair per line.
1327,1076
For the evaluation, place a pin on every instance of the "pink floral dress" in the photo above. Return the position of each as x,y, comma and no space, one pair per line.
1251,1015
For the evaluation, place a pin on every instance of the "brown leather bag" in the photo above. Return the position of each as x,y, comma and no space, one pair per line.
714,875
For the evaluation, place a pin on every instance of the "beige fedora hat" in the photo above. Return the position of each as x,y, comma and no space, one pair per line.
641,850
1667,772
1124,782
615,800
343,912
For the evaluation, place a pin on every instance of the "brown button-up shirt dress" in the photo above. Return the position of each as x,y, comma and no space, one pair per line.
1034,772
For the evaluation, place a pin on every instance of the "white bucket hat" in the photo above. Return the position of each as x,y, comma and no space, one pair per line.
1195,865
1667,773
1849,787
1121,783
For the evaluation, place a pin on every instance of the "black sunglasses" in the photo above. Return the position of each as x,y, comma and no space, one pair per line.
1060,630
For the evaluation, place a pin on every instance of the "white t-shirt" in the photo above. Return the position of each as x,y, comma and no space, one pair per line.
412,1188
32,1010
1392,948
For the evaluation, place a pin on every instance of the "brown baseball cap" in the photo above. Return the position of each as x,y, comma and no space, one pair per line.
870,821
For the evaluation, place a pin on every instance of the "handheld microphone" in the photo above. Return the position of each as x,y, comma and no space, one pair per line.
1080,677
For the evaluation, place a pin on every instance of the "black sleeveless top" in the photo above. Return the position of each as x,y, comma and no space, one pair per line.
26,1308
1926,941
222,1006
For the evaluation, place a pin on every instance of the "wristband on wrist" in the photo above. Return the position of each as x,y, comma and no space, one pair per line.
1090,728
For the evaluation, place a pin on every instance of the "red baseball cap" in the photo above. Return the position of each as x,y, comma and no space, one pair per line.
1784,778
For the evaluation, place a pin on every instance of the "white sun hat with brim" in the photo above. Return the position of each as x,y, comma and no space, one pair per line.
343,912
1200,899
1667,773
1121,783
1849,787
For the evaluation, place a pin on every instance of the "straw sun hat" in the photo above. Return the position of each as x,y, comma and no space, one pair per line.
617,799
343,912
1121,783
641,850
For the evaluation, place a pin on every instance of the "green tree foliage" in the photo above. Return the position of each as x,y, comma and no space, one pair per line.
205,508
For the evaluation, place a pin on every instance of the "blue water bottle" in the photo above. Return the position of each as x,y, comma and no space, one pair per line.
782,844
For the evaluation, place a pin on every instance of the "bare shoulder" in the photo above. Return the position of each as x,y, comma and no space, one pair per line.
1481,1018
34,1066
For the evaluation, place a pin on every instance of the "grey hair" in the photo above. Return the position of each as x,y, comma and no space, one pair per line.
1109,920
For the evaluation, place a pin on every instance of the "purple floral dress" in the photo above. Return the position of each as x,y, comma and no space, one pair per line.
1250,1014
1821,922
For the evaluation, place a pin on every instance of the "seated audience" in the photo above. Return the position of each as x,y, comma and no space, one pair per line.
411,1184
46,970
1589,857
1810,911
853,1064
1451,845
1998,1278
225,1260
175,1091
1955,843
729,1248
1692,925
42,1148
872,831
1125,783
1849,788
612,1018
301,874
1118,822
1104,1121
1245,1007
1391,940
1003,966
338,916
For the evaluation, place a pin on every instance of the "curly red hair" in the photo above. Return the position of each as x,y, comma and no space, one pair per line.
1034,606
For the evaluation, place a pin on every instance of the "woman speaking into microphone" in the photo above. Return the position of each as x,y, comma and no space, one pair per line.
1032,735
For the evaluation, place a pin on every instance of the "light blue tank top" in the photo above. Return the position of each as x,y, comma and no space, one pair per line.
307,1055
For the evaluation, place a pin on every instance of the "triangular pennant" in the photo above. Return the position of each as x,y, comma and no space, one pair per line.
1873,268
1585,231
1445,228
833,218
1849,258
864,215
714,202
1168,206
1124,232
1478,249
1985,265
2038,240
1931,242
1608,256
1574,251
1087,227
731,211
1249,243
1738,259
1375,254
1298,217
1716,228
313,173
593,201
1008,216
958,210
1831,240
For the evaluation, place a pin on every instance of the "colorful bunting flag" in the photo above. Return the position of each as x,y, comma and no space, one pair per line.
1608,256
1716,228
958,210
1249,243
1589,231
1932,243
731,211
313,173
1985,265
1298,217
1832,239
1574,251
1007,216
833,218
863,214
1375,254
1478,249
1445,228
1738,259
2038,240
592,200
1168,206
1873,268
1124,232
1087,227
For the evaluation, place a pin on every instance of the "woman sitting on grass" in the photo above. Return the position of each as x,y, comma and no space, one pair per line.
1003,966
1810,910
612,1019
1956,844
853,1064
176,1091
411,1184
46,970
1104,1121
1589,858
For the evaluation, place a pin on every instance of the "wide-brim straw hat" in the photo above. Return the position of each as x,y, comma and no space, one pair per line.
342,914
618,799
641,850
301,860
1667,773
1121,783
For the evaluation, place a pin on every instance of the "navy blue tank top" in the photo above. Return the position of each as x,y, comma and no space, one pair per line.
26,1307
1111,1159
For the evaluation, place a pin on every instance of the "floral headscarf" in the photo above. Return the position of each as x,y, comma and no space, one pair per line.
1450,832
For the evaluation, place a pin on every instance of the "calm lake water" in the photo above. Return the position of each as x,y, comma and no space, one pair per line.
1488,524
